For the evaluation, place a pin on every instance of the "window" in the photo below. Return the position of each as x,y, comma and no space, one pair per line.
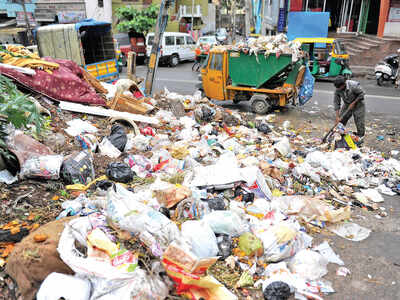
169,41
100,3
180,40
216,62
150,40
190,41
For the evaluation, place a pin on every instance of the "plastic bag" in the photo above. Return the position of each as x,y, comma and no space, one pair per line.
250,244
309,264
46,166
154,229
350,231
201,238
119,172
306,89
226,222
108,149
118,137
224,245
57,286
217,203
78,168
277,290
327,252
107,281
148,287
280,241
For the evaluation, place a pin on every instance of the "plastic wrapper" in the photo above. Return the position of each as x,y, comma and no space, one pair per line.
46,167
309,264
119,172
78,126
327,252
154,229
350,231
172,195
201,238
88,142
186,269
280,241
108,149
226,222
311,208
57,286
78,168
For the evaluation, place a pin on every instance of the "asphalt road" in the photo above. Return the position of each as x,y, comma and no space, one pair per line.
380,100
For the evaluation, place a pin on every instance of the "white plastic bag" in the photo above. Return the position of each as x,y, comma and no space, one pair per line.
155,230
108,149
281,241
68,287
107,281
309,264
226,222
327,252
46,166
350,231
201,238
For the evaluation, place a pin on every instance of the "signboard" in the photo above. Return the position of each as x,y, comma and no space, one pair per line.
281,20
303,24
21,19
394,14
71,17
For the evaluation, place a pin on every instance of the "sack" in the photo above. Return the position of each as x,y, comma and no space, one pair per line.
119,172
78,169
118,137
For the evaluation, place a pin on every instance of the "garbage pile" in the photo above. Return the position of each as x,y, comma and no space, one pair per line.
275,44
202,203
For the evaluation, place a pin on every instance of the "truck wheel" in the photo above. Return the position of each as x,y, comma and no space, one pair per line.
174,60
260,105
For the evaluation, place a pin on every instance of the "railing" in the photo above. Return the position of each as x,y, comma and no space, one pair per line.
186,11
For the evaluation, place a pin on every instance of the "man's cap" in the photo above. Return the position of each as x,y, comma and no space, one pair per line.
339,81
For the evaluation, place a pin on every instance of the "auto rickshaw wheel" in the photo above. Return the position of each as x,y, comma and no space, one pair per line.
380,81
259,104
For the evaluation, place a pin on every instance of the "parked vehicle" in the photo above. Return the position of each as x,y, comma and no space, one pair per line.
221,35
327,57
387,70
132,41
265,81
209,40
174,47
89,43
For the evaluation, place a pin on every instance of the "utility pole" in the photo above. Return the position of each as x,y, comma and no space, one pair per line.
161,24
247,18
28,25
233,7
192,14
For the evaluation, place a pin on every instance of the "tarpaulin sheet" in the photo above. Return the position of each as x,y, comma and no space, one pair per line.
307,25
91,22
65,83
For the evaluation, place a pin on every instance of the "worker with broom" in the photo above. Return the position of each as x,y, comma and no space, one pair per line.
352,95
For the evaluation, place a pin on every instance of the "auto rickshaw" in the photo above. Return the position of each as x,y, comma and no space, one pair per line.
327,57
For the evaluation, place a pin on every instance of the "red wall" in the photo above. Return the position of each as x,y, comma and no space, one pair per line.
296,5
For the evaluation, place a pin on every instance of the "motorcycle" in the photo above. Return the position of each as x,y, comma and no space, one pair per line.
387,70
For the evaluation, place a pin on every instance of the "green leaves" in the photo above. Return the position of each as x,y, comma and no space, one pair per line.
16,108
132,19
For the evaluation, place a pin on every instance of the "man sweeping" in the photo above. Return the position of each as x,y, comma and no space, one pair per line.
352,95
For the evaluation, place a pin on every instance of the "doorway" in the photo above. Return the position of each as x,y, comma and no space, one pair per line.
373,17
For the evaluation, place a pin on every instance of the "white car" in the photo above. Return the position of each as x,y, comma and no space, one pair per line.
174,47
208,40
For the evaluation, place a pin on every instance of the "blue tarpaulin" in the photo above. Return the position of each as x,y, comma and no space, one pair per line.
307,88
307,25
91,22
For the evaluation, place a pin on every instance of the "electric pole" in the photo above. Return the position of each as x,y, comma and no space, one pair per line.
28,25
247,18
161,24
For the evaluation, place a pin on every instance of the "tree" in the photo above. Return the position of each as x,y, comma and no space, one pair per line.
132,19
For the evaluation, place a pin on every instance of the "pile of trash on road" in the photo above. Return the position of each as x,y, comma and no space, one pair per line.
196,201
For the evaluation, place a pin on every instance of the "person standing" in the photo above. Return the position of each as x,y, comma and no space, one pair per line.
352,95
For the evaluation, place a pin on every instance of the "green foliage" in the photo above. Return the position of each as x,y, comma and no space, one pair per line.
132,19
17,109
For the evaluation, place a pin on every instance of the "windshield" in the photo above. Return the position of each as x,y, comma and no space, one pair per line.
150,40
207,40
339,48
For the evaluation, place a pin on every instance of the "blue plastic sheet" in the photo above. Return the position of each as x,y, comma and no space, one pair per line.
307,24
307,88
